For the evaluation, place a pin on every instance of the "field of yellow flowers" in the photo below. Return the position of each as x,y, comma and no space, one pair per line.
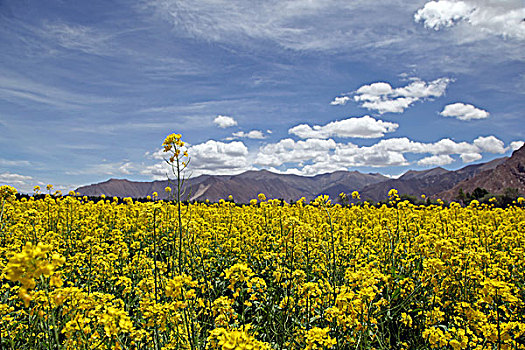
80,274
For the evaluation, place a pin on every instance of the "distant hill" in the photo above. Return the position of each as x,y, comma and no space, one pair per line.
436,182
242,187
429,182
509,173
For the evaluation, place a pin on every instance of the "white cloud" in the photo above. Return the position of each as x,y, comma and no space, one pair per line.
253,134
383,98
515,145
10,163
360,127
443,159
210,157
443,13
397,105
463,111
490,144
375,89
126,168
25,183
16,180
223,121
314,156
470,157
322,167
448,146
293,24
18,89
77,37
342,100
419,89
215,154
351,155
105,169
290,151
504,17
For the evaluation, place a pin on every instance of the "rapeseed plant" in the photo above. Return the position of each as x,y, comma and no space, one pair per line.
81,274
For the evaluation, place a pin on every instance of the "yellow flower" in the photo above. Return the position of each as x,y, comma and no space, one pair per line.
221,338
318,338
392,193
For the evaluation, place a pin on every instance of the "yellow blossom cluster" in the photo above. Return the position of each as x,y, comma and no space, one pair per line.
109,274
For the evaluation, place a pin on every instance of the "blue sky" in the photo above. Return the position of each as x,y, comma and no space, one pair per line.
90,89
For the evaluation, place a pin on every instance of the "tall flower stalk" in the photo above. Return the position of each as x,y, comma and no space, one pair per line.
178,161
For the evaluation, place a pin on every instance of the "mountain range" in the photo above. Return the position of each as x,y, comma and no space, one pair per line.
494,176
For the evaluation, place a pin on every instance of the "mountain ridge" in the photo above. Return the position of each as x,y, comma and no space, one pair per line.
435,183
508,174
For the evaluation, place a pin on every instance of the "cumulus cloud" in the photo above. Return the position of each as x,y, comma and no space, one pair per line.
360,127
470,157
210,157
439,14
340,100
490,144
463,111
448,146
314,156
322,167
290,151
504,17
253,134
443,159
515,145
351,155
383,98
219,157
223,121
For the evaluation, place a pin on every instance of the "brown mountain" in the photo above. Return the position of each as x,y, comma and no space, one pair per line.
246,186
242,187
510,173
429,182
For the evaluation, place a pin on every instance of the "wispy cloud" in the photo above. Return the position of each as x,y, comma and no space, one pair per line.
106,169
14,163
298,25
15,180
78,37
20,89
25,183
